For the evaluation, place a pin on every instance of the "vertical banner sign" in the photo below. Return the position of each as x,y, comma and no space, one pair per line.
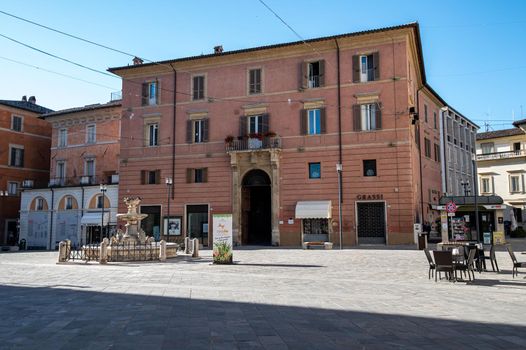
222,233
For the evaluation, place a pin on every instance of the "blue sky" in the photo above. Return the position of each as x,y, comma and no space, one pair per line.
474,51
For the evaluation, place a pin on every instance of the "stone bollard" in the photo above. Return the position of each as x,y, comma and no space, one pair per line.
162,250
187,245
62,252
103,254
195,246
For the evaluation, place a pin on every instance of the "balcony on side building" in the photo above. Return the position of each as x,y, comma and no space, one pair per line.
87,180
502,155
252,143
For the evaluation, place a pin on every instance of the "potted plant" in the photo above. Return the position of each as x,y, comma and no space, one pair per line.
270,134
229,139
222,253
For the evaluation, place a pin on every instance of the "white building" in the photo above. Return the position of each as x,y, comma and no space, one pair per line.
501,162
457,145
73,213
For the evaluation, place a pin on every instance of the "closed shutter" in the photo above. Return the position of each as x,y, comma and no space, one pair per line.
157,176
195,95
205,174
492,185
357,117
522,180
303,122
143,177
243,126
22,157
189,131
322,72
323,122
356,69
509,184
304,75
205,130
144,94
264,124
378,115
189,173
376,63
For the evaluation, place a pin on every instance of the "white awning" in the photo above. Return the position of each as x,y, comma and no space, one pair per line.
95,219
313,210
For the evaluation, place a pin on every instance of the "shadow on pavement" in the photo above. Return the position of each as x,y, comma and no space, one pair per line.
50,318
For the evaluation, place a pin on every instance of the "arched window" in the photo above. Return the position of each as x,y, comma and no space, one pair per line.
38,204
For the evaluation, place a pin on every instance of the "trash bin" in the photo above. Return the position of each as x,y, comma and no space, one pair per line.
422,241
22,244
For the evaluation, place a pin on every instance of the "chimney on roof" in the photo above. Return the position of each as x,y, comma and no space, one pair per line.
218,49
24,98
137,60
32,99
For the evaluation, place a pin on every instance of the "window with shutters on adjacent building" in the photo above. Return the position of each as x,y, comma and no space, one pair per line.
16,123
197,130
254,125
437,153
196,175
12,188
485,185
16,156
62,137
153,134
198,87
427,147
150,93
91,134
313,74
515,181
254,81
367,117
89,167
366,68
313,121
150,177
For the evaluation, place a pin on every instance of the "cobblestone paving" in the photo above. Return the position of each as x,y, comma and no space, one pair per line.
270,299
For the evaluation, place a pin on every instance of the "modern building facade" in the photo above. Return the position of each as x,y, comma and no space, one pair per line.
25,139
84,154
269,133
501,163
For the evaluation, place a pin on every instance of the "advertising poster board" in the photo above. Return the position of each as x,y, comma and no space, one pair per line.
222,233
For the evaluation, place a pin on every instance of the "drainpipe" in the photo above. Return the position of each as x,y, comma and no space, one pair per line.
81,212
51,221
172,188
443,144
417,127
339,166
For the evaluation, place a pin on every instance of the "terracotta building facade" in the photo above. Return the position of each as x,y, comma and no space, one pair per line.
25,139
84,155
269,134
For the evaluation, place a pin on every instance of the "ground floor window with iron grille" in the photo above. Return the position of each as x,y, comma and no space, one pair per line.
315,226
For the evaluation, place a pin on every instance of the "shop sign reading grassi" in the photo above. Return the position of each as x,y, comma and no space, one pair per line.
369,197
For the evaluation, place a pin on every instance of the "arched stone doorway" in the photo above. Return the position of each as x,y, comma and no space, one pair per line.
256,208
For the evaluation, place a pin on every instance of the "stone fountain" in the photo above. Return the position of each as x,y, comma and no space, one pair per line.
133,233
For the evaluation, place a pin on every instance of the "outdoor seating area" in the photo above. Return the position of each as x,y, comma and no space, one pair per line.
460,259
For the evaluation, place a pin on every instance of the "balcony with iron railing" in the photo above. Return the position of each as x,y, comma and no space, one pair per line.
502,155
83,181
256,143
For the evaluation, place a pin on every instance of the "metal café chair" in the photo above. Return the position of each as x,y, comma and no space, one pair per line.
492,258
516,263
443,263
431,264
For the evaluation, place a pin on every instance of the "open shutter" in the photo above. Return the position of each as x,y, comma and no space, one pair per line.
357,117
157,176
356,69
189,173
157,91
264,124
323,123
376,65
144,94
22,157
322,72
189,131
205,174
243,126
509,184
143,177
303,122
304,75
378,114
205,130
492,186
522,180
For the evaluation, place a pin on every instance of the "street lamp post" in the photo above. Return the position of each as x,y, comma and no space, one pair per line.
169,183
339,168
466,187
103,189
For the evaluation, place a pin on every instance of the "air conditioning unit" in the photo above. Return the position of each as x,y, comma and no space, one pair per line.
27,184
85,180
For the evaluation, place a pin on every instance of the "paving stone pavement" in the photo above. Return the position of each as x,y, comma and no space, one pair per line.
270,299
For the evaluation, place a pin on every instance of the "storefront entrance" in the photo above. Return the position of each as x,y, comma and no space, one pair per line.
370,222
197,223
256,208
93,234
